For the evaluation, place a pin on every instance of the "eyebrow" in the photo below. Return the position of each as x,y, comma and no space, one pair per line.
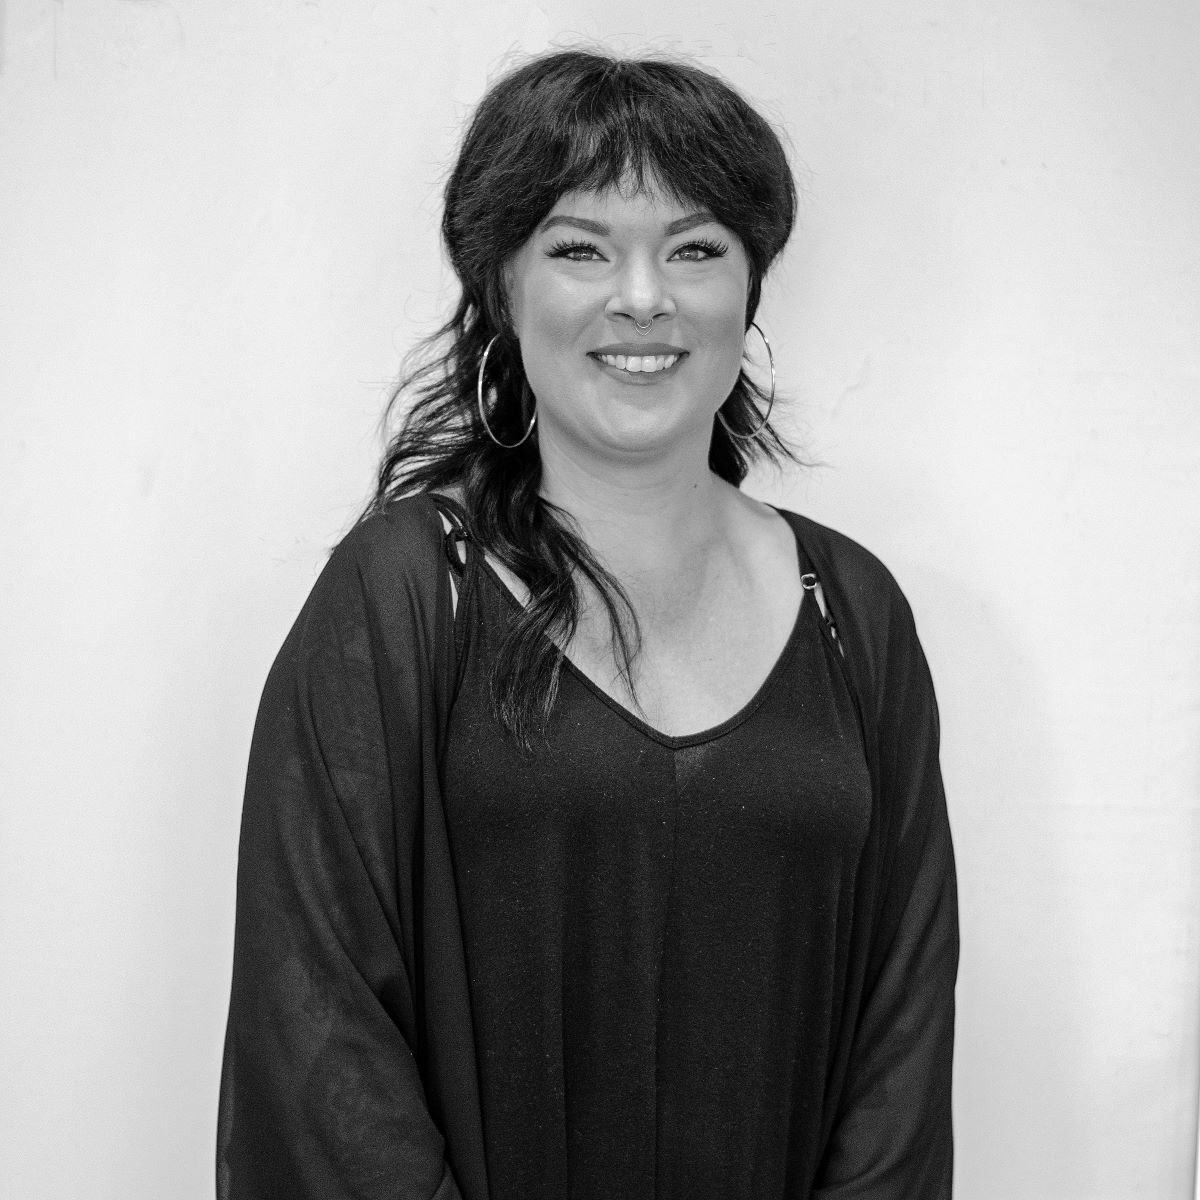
681,225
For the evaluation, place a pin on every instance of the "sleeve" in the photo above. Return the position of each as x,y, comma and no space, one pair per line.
892,1135
321,1095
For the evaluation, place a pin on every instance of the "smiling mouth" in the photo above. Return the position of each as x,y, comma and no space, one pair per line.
639,364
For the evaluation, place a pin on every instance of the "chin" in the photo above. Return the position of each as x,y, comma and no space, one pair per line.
654,434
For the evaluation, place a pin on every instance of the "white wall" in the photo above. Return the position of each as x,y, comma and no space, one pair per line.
217,235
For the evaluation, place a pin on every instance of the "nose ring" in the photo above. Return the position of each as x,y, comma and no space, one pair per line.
643,329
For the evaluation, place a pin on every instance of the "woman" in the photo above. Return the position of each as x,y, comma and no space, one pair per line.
599,847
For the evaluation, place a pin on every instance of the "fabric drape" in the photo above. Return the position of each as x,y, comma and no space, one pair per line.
350,1060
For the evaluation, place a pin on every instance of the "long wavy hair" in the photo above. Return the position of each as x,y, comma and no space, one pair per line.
567,121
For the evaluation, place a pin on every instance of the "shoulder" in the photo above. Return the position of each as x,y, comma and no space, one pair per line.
403,530
846,565
398,545
386,575
869,607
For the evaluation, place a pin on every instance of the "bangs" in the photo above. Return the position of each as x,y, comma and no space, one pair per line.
582,122
635,139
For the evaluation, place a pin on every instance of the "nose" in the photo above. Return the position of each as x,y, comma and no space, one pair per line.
642,292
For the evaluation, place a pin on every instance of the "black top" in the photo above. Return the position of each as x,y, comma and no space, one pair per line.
767,1003
653,927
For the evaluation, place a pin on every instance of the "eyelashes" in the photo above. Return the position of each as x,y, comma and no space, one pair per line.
709,247
697,250
572,250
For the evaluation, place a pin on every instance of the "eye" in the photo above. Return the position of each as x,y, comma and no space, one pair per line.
574,251
701,250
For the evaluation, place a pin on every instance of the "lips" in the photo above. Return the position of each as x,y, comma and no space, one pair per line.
639,359
646,364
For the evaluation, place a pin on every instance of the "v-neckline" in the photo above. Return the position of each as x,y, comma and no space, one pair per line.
683,740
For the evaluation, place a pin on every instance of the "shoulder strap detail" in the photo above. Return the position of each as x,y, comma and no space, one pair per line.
811,583
462,561
851,671
454,522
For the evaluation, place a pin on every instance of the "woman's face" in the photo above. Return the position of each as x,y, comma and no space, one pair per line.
597,265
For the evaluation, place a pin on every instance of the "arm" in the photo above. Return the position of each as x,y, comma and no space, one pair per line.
892,1136
321,1095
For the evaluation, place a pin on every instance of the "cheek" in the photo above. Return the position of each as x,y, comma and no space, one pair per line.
722,314
549,318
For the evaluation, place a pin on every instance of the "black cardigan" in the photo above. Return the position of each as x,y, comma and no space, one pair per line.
349,1064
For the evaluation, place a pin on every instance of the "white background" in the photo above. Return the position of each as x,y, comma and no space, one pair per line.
218,234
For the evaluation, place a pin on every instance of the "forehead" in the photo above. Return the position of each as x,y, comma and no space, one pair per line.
623,205
623,215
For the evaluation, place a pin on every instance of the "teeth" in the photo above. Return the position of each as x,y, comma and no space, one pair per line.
644,364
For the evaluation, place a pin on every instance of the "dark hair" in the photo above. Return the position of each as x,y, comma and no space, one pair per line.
567,121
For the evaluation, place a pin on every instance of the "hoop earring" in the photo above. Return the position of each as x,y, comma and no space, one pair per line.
749,437
483,415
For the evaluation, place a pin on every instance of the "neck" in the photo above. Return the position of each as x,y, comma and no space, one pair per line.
638,517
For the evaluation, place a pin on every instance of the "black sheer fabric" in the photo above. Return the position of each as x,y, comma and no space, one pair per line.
656,928
354,1053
